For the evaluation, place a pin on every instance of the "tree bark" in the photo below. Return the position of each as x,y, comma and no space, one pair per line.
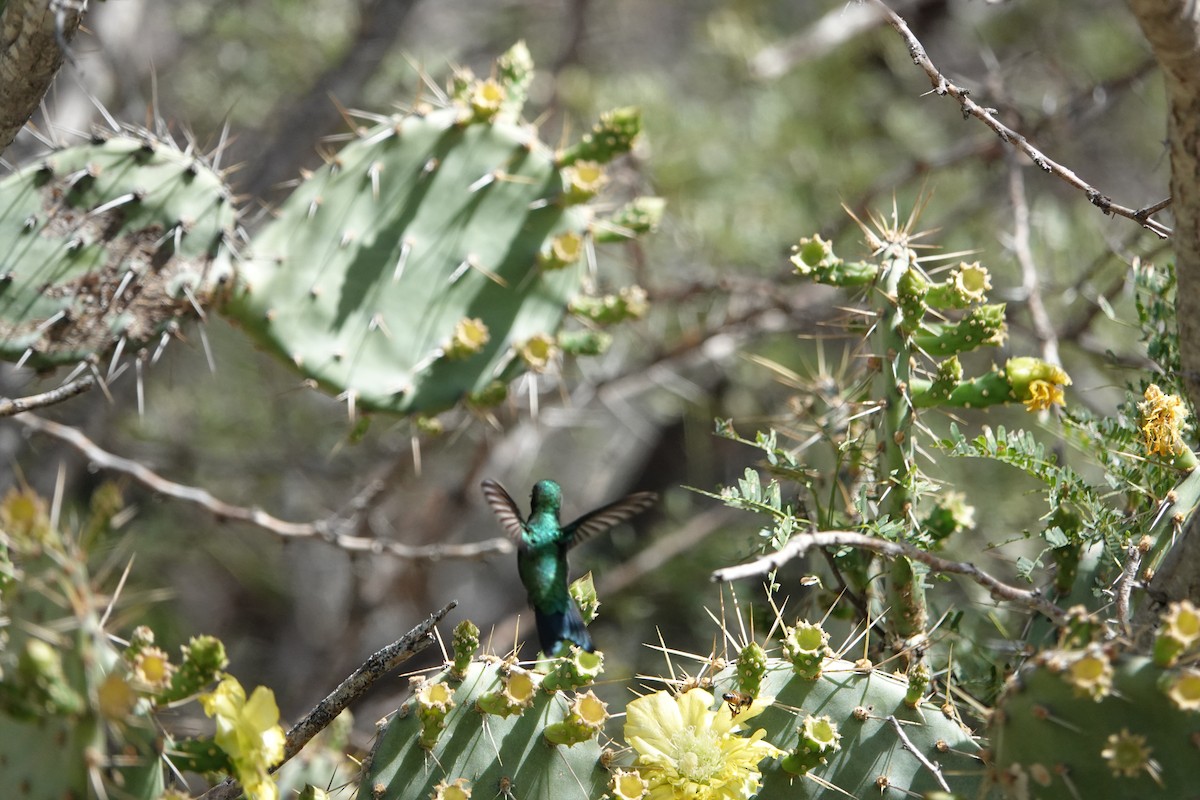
30,55
1172,27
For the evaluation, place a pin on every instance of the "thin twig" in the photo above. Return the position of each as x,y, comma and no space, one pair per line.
925,762
1043,327
11,406
943,86
362,679
332,529
801,543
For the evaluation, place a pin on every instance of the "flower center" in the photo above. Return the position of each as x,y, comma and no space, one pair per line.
697,754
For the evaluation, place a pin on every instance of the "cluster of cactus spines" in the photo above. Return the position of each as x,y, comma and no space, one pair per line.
111,245
71,722
548,749
1100,721
841,729
434,257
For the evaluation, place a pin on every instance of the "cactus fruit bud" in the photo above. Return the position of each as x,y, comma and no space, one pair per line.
1091,674
562,251
967,284
610,137
1035,382
538,352
465,643
982,325
1127,755
806,646
628,785
919,678
203,660
639,216
819,738
1183,689
470,337
584,721
486,98
582,181
574,671
910,293
583,592
584,343
813,257
629,303
434,702
1179,633
458,789
751,666
518,689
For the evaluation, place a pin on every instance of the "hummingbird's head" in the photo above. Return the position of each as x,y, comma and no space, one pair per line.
546,496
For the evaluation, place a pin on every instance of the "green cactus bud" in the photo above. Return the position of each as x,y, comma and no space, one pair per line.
583,592
514,70
968,284
141,638
573,671
538,352
819,738
489,396
919,678
910,294
485,99
1091,674
982,326
582,181
203,659
25,518
1128,756
1081,628
40,672
517,692
561,251
806,646
458,789
612,136
584,721
1178,634
629,303
751,666
426,425
1183,689
470,336
637,217
927,394
465,643
813,258
584,343
152,670
434,702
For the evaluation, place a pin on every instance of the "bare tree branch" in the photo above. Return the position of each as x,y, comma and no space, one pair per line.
801,543
11,406
362,679
334,530
943,86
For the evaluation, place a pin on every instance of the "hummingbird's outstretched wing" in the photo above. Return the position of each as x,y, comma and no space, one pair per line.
505,509
606,517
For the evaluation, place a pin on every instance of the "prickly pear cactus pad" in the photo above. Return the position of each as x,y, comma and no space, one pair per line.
108,245
838,732
443,737
1095,723
434,255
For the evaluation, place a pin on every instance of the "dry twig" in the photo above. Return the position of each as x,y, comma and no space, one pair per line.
335,529
801,543
18,405
943,86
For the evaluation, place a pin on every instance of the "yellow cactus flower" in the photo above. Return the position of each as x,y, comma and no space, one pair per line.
1163,422
249,733
1043,394
685,749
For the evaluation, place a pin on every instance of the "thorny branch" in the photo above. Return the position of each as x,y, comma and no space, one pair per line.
335,529
943,86
801,543
374,668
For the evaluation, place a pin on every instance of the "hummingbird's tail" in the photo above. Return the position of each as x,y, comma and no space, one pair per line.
557,628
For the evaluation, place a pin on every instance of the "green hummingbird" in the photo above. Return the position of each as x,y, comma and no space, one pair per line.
542,546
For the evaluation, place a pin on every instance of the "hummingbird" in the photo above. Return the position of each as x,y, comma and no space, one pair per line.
542,546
